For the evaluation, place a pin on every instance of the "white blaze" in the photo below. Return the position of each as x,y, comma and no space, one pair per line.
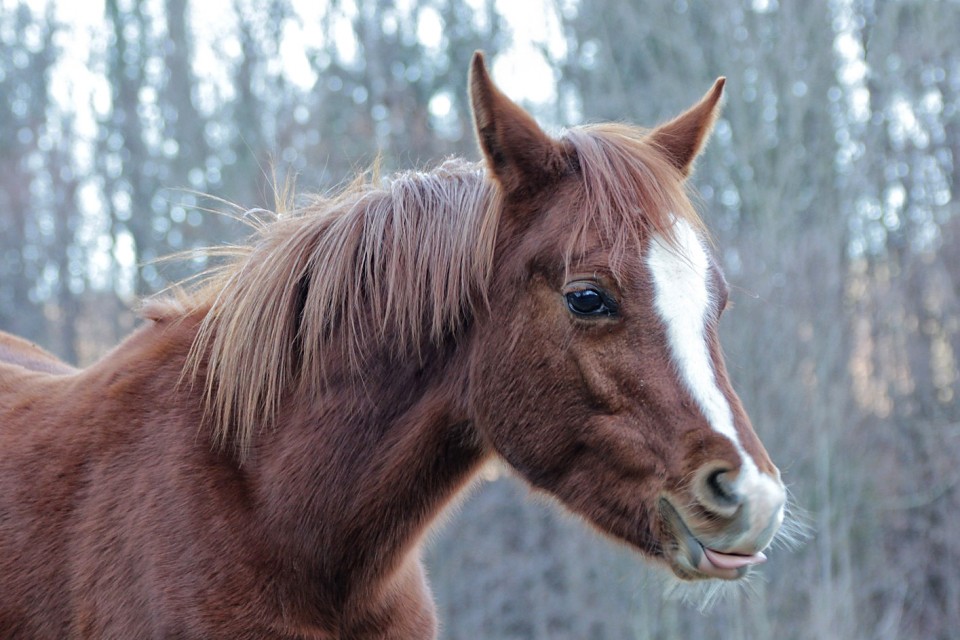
682,299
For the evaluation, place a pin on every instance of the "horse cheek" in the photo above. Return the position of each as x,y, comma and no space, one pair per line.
527,401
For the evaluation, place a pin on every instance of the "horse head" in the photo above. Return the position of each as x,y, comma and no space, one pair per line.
596,370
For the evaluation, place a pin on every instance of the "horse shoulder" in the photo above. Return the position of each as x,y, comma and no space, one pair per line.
68,474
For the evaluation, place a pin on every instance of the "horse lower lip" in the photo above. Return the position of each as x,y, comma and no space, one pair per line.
731,560
709,562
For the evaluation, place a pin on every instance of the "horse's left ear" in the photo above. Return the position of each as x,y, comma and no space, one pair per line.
520,155
684,137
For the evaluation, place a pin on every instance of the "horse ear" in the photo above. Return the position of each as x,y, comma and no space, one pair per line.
684,137
519,154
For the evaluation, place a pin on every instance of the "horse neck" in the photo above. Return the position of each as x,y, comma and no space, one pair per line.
351,479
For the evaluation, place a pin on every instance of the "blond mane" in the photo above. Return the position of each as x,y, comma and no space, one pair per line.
392,263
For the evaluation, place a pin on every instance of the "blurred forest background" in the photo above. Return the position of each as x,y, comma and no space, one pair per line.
828,185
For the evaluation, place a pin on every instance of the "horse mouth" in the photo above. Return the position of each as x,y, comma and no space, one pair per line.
691,559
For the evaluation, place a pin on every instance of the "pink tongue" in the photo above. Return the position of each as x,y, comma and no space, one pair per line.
732,561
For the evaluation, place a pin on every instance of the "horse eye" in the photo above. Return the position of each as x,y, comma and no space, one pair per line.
590,302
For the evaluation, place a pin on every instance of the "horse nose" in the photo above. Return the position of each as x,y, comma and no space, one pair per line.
717,491
749,505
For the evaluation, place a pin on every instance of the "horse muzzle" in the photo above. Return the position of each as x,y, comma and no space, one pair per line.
726,527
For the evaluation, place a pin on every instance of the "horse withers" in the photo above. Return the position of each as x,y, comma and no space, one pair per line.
263,456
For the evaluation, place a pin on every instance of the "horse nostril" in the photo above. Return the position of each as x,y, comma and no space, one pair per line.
719,488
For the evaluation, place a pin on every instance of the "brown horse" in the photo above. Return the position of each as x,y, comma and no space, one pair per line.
264,456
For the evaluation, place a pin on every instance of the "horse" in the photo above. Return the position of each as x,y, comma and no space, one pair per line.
264,455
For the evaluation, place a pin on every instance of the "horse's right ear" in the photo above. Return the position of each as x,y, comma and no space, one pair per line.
520,155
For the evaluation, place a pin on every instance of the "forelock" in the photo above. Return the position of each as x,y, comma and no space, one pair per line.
630,191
